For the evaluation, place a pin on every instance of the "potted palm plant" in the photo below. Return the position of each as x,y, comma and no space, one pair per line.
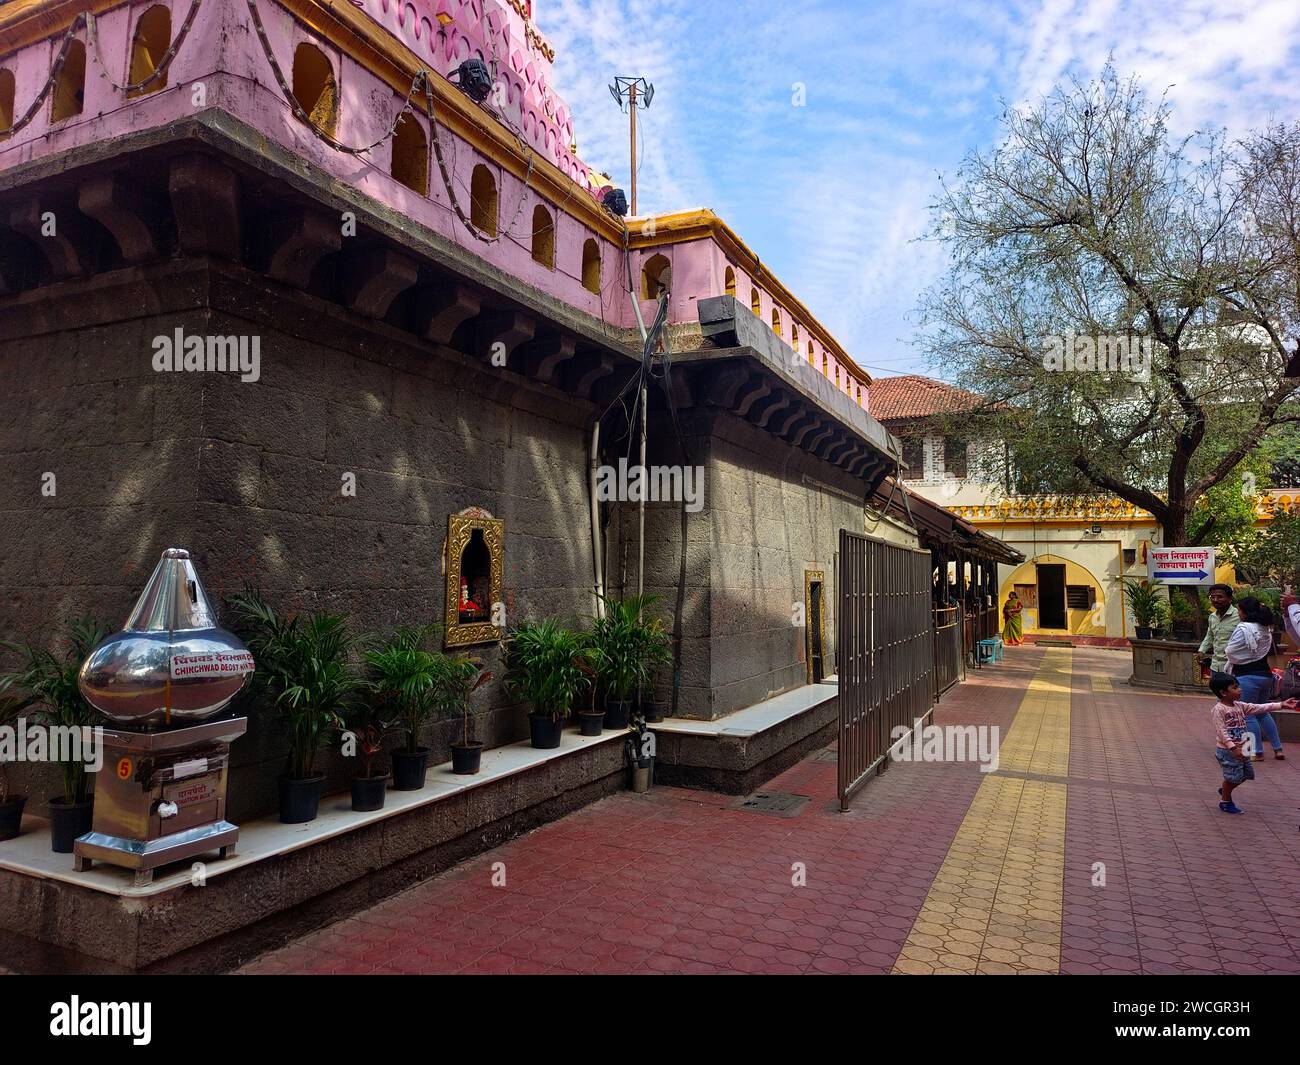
548,666
460,676
48,681
403,675
304,668
631,646
1147,605
11,806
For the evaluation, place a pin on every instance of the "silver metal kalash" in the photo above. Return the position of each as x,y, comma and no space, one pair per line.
160,794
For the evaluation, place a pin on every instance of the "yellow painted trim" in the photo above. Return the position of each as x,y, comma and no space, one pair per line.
682,226
24,22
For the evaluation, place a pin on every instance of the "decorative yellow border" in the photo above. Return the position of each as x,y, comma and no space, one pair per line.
810,575
460,527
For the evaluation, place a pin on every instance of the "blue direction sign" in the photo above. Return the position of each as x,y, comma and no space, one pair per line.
1180,565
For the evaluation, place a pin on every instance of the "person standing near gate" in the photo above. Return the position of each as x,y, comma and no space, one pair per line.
1219,628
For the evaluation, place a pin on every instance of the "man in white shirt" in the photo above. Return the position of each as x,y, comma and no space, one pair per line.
1219,628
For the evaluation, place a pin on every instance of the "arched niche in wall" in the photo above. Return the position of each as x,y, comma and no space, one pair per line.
315,88
543,237
70,88
653,276
6,101
591,266
475,566
153,36
410,161
483,200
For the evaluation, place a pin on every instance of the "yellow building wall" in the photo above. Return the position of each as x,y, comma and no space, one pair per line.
1079,622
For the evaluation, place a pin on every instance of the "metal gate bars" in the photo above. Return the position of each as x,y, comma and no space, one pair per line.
884,648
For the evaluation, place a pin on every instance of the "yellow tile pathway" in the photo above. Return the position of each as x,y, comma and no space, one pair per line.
995,905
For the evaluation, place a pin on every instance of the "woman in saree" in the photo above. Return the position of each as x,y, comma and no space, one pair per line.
1012,626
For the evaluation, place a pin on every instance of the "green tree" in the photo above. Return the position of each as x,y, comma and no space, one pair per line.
1270,554
1089,221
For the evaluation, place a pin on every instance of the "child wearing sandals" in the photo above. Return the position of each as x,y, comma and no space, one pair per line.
1230,735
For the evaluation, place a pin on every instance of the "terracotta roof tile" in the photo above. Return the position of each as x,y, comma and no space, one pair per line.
892,399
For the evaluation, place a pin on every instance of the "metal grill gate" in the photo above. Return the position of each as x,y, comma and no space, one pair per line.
949,661
884,649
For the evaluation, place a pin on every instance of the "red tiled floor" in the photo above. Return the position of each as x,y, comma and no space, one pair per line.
680,881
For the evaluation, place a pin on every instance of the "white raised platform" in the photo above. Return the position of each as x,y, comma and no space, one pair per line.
757,718
30,852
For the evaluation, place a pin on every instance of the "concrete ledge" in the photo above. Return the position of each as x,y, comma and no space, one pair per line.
286,879
738,753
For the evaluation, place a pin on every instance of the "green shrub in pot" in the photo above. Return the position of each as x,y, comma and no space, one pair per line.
403,674
47,680
460,676
632,644
305,670
11,805
548,666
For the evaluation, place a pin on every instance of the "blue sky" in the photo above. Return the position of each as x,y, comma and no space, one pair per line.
833,195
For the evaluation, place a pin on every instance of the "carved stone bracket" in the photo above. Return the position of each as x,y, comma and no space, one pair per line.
58,234
370,280
205,203
121,207
443,309
298,241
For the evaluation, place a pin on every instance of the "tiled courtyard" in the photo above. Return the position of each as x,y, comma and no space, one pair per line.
1096,847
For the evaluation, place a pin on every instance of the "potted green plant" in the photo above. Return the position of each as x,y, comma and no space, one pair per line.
548,666
48,681
1147,605
365,729
631,644
403,675
1182,619
304,668
460,676
11,805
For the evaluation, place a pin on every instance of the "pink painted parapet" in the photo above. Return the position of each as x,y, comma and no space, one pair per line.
222,65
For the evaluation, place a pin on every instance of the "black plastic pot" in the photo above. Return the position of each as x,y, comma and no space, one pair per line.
465,758
68,820
300,799
11,815
1143,632
617,714
368,793
653,711
409,768
590,724
545,732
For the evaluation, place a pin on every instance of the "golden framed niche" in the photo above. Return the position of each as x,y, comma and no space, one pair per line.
474,566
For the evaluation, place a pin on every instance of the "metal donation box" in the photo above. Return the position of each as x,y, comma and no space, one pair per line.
160,795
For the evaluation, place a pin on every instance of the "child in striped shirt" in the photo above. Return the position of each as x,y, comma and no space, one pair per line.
1231,736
